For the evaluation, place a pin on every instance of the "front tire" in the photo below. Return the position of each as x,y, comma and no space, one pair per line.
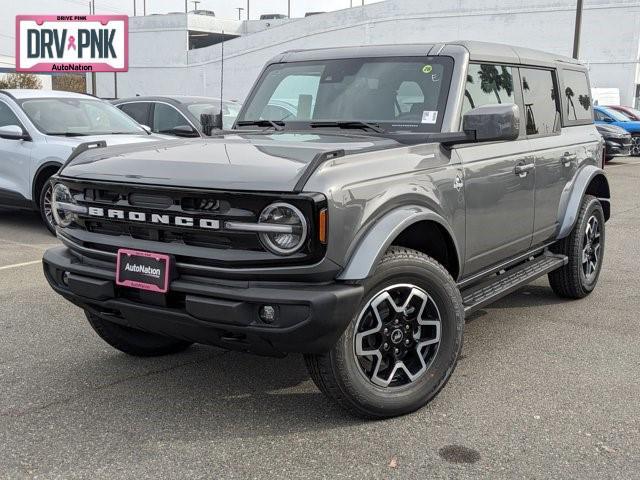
584,248
403,344
135,342
44,205
635,145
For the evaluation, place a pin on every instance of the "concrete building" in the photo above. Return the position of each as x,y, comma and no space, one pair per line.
161,61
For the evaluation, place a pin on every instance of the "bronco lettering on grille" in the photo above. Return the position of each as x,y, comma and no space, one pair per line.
158,219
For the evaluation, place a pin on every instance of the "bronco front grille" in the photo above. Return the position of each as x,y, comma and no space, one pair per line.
128,215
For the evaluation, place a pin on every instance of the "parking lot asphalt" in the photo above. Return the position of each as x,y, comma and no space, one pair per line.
545,388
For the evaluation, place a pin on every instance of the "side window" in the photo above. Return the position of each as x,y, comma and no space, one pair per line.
488,84
577,97
601,117
166,118
7,117
139,111
540,101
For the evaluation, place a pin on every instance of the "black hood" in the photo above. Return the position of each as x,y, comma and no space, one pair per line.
238,161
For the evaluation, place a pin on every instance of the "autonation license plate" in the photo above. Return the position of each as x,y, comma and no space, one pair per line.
143,270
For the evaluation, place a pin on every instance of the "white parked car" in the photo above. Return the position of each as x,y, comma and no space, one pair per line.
39,130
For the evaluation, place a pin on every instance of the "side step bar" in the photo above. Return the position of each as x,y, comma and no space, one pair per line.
479,295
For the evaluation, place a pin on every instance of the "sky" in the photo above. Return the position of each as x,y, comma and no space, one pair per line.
222,8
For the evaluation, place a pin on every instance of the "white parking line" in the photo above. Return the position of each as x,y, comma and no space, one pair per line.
17,265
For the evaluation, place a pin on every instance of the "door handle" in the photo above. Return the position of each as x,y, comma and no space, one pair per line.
522,169
567,158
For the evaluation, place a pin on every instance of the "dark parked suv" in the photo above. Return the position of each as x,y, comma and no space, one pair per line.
408,186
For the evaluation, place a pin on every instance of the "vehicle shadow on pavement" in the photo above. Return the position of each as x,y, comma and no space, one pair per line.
216,393
529,296
21,219
23,226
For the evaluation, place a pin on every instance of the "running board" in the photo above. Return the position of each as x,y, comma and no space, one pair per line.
477,296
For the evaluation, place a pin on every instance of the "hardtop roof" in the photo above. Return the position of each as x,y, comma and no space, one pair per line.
478,51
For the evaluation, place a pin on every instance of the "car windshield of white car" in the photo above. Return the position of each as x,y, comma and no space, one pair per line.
78,117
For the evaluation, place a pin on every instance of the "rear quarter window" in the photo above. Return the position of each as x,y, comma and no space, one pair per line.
576,98
139,111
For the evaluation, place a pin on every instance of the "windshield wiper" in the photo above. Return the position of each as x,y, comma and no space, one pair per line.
275,124
68,134
348,124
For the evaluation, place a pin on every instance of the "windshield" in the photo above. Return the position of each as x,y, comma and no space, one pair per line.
78,117
632,112
617,116
229,111
396,94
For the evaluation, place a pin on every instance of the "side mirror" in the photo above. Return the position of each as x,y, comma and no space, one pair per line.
13,132
146,128
210,122
184,131
493,123
608,119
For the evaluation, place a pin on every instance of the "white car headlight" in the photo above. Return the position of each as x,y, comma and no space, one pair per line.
64,207
292,225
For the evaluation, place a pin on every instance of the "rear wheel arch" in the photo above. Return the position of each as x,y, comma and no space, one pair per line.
590,180
599,188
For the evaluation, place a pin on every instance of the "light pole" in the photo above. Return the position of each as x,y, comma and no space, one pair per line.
247,9
576,34
240,10
289,8
195,4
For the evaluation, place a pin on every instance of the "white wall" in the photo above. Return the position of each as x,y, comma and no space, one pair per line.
610,41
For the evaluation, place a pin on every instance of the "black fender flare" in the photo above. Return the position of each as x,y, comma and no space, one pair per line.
381,235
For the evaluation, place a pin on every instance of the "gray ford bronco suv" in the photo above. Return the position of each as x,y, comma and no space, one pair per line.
365,201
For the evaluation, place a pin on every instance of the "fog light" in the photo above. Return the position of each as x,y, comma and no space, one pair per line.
65,278
267,313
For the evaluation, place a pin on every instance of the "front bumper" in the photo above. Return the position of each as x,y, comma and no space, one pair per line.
618,147
310,317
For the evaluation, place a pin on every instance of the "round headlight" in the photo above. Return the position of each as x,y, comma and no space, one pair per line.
292,228
61,200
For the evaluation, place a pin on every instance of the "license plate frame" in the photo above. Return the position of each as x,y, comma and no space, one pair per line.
151,273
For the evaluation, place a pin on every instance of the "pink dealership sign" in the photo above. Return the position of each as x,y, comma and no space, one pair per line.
72,43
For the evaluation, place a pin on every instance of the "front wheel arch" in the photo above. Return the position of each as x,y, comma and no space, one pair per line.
45,171
389,230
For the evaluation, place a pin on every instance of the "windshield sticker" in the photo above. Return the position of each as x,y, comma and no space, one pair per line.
427,69
429,116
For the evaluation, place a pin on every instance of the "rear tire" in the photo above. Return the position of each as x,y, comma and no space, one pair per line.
584,248
135,342
411,314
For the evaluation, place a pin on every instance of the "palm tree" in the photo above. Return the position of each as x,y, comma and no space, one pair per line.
585,101
490,80
467,94
569,93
